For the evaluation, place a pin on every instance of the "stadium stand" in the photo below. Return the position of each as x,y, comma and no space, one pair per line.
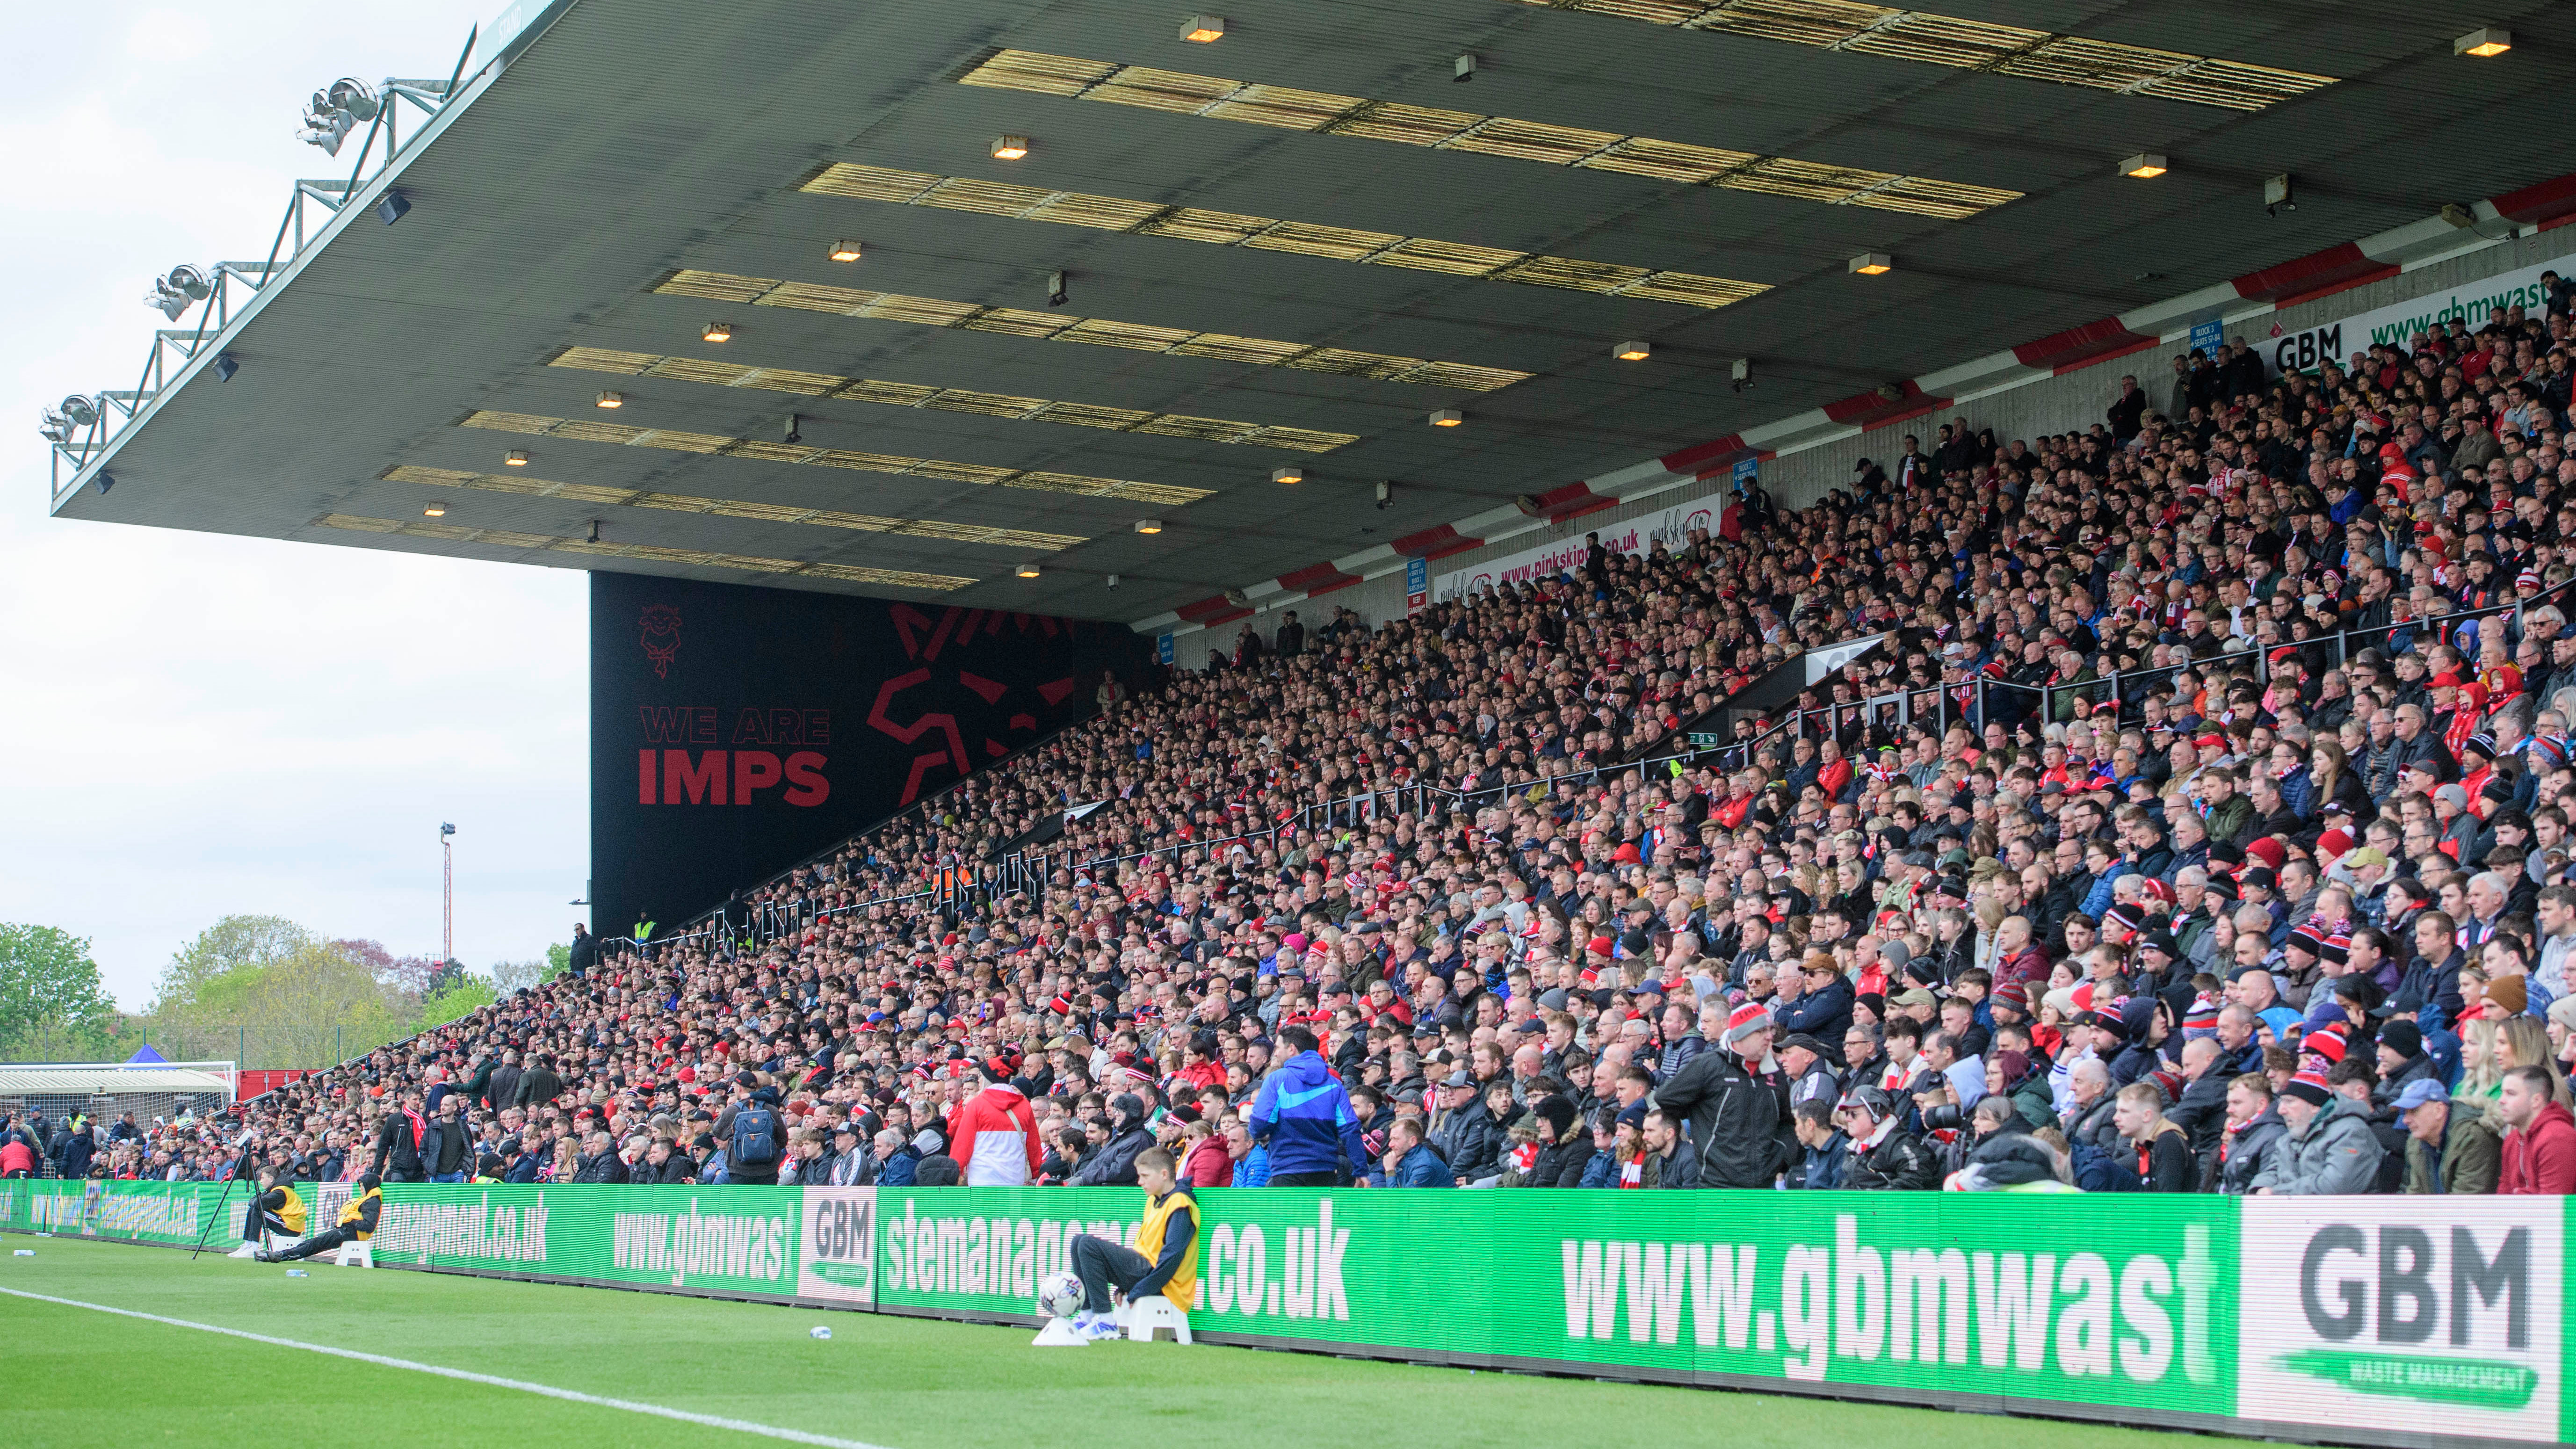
2199,822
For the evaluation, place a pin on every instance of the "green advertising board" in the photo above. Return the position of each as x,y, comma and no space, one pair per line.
2363,1320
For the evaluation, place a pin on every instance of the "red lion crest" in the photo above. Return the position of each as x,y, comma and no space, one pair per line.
661,637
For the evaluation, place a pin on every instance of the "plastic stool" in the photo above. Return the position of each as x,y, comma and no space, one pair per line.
278,1242
360,1250
1145,1315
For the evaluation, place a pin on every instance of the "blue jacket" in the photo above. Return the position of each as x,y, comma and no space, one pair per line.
1306,1118
1422,1167
897,1170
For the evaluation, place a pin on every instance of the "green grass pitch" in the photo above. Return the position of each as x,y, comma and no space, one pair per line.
77,1377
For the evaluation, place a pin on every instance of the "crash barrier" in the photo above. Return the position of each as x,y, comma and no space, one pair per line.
2361,1320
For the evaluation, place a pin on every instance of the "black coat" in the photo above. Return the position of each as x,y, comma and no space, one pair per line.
1900,1162
1734,1119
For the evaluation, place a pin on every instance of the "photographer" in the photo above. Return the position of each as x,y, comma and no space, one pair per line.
357,1224
274,1209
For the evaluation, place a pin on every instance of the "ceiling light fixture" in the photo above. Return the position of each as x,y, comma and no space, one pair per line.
434,510
1872,264
1149,525
1010,148
1028,571
844,251
1386,494
612,400
1055,289
1632,352
515,458
1463,69
718,332
225,367
1447,418
1287,475
392,206
105,482
2277,196
2145,166
2485,43
1203,29
1740,373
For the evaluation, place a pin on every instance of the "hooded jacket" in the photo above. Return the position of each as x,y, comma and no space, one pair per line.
2542,1156
1114,1165
2337,1154
996,1136
2468,1159
1305,1117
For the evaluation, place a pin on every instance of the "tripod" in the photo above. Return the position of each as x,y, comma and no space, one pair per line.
241,1170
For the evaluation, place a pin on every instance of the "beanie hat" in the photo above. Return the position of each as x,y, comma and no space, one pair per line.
2308,1087
2327,1042
2402,1036
1745,1020
2334,842
2307,938
2202,1019
2123,918
2510,993
2267,850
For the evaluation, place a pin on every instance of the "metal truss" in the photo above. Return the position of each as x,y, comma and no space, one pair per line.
82,426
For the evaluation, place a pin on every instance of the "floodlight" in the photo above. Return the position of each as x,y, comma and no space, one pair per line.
2145,166
2485,44
1203,29
1010,148
611,400
335,110
844,251
434,510
718,332
1871,264
178,289
515,458
1028,571
1632,352
1288,475
1448,418
1149,525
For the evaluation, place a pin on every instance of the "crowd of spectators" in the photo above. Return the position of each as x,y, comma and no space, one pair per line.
2213,849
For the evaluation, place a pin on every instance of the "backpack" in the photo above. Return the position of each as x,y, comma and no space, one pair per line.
755,1140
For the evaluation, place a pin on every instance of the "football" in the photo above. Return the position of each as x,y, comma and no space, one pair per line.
1060,1296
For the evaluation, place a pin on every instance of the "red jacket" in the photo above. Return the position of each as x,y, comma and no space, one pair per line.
995,1138
1210,1165
2541,1157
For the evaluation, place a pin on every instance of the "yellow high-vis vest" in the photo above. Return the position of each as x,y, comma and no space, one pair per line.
1183,1289
350,1216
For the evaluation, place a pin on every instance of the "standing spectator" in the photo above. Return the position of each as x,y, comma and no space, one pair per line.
2540,1136
995,1133
1733,1115
1305,1118
539,1084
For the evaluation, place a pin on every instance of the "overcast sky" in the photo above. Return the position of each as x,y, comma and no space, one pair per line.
197,725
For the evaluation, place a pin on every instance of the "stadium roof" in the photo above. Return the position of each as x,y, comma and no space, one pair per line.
60,1078
1286,248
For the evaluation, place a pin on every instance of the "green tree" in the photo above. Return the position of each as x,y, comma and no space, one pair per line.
558,960
465,993
269,993
53,1006
224,947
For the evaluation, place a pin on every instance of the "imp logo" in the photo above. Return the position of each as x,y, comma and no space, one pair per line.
661,637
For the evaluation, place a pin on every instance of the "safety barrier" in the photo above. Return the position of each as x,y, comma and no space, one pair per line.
2377,1321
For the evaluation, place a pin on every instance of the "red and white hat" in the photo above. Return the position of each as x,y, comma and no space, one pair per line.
1745,1020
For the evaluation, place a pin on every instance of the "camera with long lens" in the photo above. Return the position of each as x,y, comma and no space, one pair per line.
1947,1117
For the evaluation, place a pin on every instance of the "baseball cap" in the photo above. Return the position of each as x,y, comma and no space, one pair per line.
2420,1091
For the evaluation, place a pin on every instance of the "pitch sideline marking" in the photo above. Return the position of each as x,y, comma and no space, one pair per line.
712,1421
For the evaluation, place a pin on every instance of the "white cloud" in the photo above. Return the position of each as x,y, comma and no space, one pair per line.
197,724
